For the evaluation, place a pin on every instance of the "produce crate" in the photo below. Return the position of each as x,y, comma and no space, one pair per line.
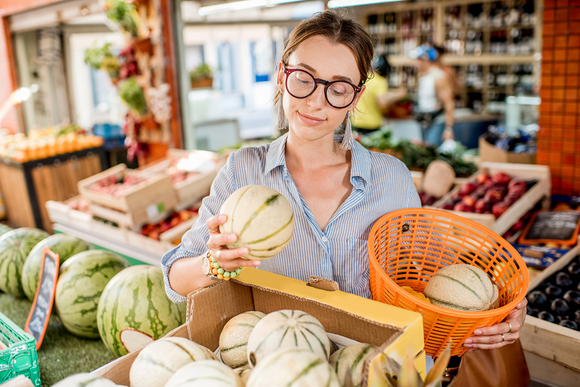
140,196
20,357
540,190
343,314
549,340
194,187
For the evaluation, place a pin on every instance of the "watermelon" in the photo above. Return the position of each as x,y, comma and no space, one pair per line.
135,298
261,218
81,281
64,245
4,229
15,246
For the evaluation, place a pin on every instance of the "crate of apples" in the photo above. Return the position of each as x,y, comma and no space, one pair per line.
155,231
487,194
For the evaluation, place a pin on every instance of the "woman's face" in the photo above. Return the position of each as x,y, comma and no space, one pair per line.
313,118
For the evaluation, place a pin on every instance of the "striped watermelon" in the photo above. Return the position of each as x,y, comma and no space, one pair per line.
262,219
158,361
462,287
234,338
15,246
81,281
205,373
64,245
293,367
84,380
287,329
135,298
4,229
351,358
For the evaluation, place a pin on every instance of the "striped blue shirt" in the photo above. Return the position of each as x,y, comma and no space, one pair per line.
380,182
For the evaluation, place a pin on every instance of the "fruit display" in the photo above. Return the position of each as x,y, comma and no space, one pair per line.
462,287
173,220
287,329
234,338
426,199
205,373
351,359
116,186
160,360
15,246
64,245
47,143
261,217
488,194
81,281
135,298
557,298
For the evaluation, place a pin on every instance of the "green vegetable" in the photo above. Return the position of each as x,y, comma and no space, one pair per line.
200,72
132,94
124,14
101,58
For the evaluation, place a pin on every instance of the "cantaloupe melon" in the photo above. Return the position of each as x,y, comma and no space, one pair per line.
205,373
84,380
351,358
244,373
234,338
262,219
293,367
462,287
158,361
287,329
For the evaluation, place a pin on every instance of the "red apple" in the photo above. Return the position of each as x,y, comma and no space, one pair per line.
481,190
469,200
448,205
510,199
482,178
517,189
469,187
499,208
501,178
517,226
459,195
493,196
462,207
516,182
428,200
482,206
489,183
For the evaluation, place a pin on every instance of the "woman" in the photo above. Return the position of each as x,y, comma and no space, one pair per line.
336,190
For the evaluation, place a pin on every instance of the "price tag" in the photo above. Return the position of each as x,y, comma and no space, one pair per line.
42,306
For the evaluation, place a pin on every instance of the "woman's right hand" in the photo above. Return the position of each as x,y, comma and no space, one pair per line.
229,259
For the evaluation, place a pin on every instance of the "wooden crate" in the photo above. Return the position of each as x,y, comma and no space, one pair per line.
549,340
166,240
193,188
136,198
28,186
502,224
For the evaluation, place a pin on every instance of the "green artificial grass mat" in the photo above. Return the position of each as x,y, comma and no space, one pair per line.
62,353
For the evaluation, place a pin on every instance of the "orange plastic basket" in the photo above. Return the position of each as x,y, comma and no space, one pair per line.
406,247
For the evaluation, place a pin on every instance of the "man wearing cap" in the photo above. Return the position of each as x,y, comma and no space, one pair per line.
434,97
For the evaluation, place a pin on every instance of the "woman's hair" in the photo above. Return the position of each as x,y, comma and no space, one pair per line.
339,30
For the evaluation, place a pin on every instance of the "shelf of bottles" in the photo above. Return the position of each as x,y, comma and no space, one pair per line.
491,45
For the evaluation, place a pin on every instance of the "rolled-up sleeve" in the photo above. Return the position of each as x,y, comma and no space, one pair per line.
194,241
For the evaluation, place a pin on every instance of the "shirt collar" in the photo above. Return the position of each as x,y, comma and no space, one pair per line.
360,161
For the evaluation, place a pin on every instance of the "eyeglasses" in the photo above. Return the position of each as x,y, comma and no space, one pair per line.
301,84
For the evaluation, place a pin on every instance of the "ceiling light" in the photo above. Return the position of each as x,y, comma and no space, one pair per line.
352,3
239,5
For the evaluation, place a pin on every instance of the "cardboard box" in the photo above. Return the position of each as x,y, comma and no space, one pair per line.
540,190
549,340
489,152
344,314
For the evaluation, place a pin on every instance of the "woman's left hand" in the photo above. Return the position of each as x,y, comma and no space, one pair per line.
498,335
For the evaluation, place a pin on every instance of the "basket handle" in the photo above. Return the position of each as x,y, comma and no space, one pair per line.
322,283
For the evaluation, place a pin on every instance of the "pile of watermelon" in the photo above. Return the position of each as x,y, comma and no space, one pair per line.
98,293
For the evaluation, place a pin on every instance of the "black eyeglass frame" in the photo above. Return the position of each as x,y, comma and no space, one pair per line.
317,81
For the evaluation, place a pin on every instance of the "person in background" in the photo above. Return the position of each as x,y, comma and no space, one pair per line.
434,97
375,101
450,71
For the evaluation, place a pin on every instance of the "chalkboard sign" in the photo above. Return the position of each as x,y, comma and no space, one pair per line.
552,227
42,306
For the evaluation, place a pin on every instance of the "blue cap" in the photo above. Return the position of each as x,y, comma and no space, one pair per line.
424,52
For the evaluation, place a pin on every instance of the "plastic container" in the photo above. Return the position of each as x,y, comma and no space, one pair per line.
20,357
406,247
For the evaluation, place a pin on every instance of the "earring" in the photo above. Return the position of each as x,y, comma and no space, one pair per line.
281,120
347,139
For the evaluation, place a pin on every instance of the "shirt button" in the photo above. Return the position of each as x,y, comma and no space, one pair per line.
324,239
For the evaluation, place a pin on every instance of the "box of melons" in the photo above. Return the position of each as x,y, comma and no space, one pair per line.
263,329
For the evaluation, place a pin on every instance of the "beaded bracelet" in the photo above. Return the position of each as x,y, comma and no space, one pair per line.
219,271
